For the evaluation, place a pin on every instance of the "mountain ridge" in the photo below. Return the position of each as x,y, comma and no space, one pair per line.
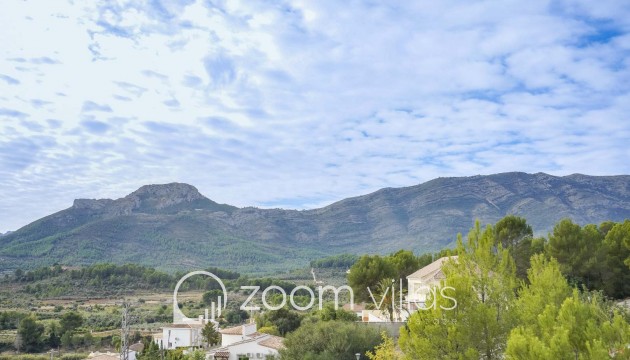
173,226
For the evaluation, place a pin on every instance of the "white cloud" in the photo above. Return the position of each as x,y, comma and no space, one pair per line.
302,103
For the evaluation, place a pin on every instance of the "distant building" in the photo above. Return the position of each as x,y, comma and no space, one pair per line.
244,341
422,281
186,335
357,308
420,284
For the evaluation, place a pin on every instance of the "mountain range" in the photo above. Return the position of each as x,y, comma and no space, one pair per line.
174,227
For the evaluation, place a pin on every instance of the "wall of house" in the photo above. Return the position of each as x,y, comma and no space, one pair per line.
258,352
179,337
230,339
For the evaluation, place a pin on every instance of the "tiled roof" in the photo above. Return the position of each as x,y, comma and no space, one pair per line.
431,271
137,347
273,342
183,326
235,330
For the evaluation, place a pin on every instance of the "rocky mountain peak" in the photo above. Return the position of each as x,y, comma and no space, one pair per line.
164,195
147,197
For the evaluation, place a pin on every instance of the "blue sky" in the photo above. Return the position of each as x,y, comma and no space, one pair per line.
297,104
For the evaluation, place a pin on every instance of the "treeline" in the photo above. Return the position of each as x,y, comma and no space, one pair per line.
128,275
11,319
594,257
335,261
53,281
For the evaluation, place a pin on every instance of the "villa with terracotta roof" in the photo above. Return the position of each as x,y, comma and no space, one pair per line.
244,341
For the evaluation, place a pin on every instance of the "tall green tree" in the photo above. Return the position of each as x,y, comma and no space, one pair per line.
514,234
483,282
616,276
556,322
405,263
31,333
210,334
563,242
54,339
367,273
70,321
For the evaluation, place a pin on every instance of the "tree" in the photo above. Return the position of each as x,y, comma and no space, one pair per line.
271,330
210,334
116,342
578,329
515,234
328,313
557,322
483,282
616,276
385,350
54,340
511,230
196,355
284,320
151,351
547,287
212,296
88,339
405,263
367,273
563,242
31,332
329,340
70,321
236,316
66,340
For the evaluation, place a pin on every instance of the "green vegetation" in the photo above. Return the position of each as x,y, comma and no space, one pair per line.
553,314
374,270
518,297
281,321
210,335
335,261
329,340
593,256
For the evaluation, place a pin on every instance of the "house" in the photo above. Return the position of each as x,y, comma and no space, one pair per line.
422,281
244,342
182,335
355,308
237,333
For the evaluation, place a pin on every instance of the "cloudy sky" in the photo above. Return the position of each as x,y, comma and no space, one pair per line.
297,104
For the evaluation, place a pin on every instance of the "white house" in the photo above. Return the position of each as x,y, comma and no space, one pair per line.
237,333
244,342
422,281
175,336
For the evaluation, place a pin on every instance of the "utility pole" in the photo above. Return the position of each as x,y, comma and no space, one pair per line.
124,336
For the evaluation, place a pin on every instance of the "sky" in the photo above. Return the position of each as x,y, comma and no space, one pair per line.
297,104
